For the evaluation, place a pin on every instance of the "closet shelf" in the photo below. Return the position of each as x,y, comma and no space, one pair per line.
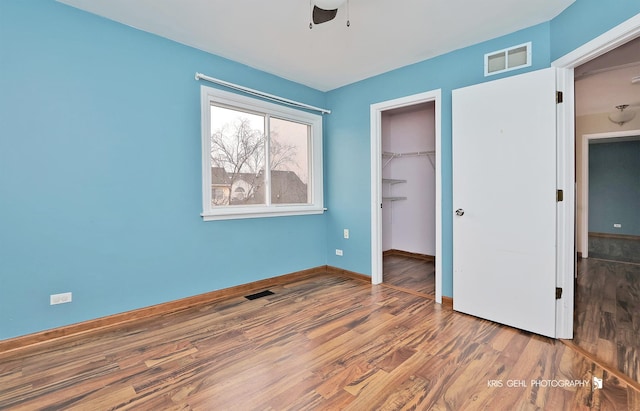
393,181
411,154
429,154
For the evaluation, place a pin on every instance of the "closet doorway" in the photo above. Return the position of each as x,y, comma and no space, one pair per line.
406,206
408,197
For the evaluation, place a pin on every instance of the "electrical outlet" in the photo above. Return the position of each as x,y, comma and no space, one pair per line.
338,251
59,298
346,233
617,226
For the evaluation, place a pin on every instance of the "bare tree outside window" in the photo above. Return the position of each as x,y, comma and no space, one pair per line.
238,158
237,154
289,164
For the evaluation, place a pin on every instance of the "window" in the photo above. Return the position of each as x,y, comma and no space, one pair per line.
508,59
259,159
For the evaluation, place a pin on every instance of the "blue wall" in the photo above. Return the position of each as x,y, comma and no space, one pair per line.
348,148
100,162
100,173
614,187
585,20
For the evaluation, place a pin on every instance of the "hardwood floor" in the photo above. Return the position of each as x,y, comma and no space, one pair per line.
409,273
607,313
327,342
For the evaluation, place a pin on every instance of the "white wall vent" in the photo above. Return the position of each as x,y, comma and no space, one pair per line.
507,59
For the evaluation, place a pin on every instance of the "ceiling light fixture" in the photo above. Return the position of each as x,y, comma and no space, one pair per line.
621,116
323,11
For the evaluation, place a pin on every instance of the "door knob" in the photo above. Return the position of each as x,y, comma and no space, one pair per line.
459,212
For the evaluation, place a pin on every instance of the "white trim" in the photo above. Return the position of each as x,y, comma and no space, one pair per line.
584,163
253,92
565,210
607,41
376,181
261,213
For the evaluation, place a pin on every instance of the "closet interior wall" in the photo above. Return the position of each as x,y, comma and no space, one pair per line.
408,172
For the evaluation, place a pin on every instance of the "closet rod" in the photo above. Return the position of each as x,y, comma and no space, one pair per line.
427,154
413,153
272,97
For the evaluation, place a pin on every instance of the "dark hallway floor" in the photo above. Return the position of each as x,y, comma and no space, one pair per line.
617,249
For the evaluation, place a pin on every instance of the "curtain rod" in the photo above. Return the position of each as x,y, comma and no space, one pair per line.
200,76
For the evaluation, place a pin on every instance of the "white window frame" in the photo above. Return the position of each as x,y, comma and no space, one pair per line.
211,96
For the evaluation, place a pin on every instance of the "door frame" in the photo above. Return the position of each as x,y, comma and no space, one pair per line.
583,237
376,181
618,35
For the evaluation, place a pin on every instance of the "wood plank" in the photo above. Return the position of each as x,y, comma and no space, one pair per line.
607,307
402,253
320,342
409,273
118,320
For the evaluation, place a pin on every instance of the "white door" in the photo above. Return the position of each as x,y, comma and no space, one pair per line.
504,186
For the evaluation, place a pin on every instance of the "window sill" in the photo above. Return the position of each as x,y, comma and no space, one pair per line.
241,214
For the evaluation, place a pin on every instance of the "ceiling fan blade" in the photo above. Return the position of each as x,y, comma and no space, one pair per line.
322,15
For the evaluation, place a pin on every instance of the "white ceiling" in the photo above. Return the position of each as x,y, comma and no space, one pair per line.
274,35
605,82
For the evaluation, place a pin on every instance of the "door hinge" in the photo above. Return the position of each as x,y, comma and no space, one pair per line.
559,97
558,293
559,195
